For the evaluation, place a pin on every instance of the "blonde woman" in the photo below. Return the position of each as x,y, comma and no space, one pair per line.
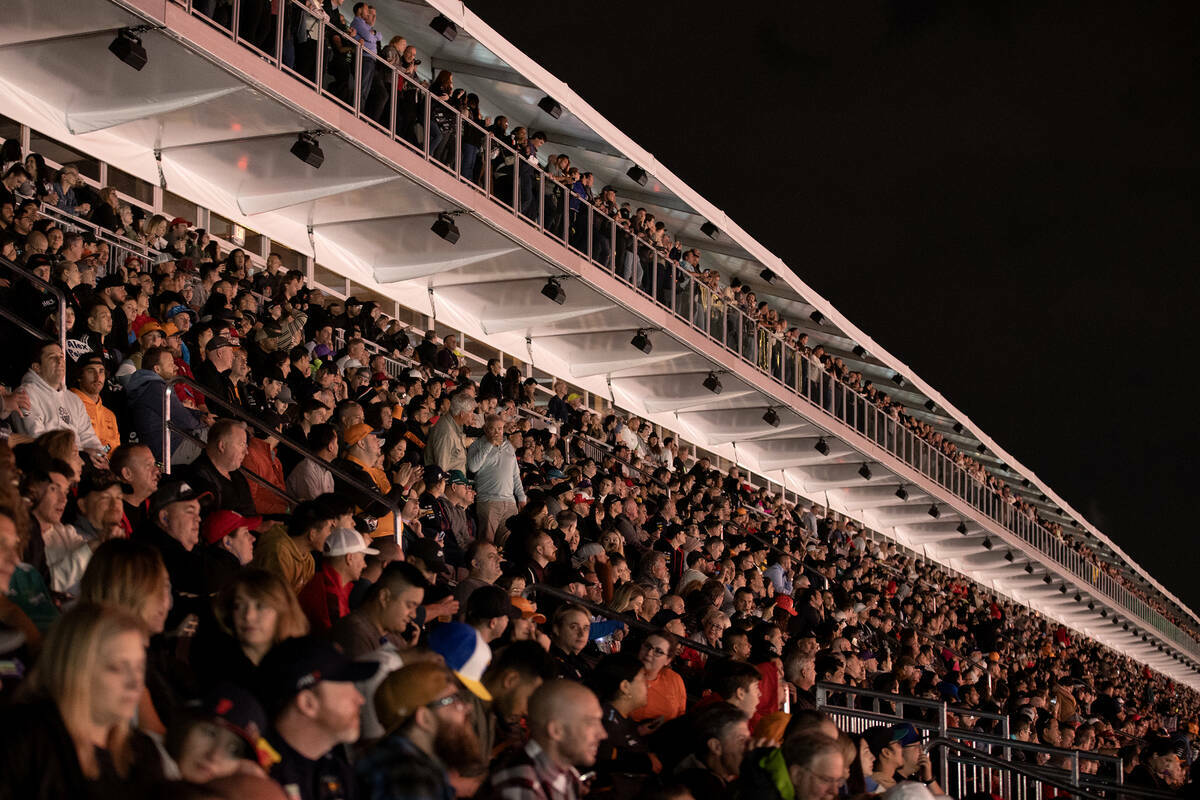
255,612
130,575
72,734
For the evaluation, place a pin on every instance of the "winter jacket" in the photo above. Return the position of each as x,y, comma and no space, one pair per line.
144,395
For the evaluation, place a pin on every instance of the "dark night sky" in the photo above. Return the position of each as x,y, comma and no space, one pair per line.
998,195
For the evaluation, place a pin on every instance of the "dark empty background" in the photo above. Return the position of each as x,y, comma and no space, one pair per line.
1004,197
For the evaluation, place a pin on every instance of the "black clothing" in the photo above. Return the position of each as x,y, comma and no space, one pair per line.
228,494
328,778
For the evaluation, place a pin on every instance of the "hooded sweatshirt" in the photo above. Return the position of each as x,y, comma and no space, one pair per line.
55,409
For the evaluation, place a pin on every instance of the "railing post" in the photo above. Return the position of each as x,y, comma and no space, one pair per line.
166,432
944,766
1075,768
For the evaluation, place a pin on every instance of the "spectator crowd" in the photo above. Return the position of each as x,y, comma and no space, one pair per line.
358,581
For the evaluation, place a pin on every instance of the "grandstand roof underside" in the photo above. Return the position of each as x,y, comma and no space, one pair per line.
223,122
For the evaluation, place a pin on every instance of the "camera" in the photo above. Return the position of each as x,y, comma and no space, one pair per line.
417,62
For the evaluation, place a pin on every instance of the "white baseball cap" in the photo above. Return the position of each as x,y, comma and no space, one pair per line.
343,541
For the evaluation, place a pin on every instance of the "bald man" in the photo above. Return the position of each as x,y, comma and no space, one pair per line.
566,727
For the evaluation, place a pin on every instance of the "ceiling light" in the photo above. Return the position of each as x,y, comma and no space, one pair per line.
859,350
930,405
1104,612
981,449
444,227
1026,482
642,342
933,511
817,317
710,230
958,427
307,150
550,106
445,27
898,379
865,471
1009,557
962,528
713,383
1029,569
1062,589
553,290
767,275
1047,579
1091,605
902,493
128,47
987,543
822,446
771,418
637,175
1078,598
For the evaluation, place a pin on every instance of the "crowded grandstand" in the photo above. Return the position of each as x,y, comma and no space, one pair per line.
261,539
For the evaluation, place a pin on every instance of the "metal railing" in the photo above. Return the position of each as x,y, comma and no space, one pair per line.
13,315
120,249
329,60
242,415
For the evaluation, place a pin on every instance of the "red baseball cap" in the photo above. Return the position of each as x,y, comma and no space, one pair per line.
784,601
222,523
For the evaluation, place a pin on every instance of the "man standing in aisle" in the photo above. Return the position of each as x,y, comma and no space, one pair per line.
498,489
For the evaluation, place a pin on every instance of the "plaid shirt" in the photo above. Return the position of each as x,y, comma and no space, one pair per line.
396,769
528,774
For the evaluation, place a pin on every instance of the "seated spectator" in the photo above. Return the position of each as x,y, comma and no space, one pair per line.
565,730
134,465
228,546
172,527
483,559
74,735
815,765
89,383
313,706
666,697
389,608
287,552
220,737
309,480
429,732
360,458
623,761
217,469
326,598
568,636
720,738
144,392
262,460
51,406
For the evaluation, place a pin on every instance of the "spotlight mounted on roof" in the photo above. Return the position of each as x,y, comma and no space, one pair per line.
958,427
637,175
550,106
127,46
1026,482
898,379
1029,569
771,418
822,446
859,351
962,528
1078,598
865,472
1104,612
444,227
1047,580
768,276
1062,589
710,230
641,341
713,383
1009,557
902,493
307,150
934,512
1091,605
817,317
554,291
930,405
442,24
981,449
987,543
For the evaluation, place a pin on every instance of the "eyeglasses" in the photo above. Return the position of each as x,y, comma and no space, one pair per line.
824,779
654,651
448,700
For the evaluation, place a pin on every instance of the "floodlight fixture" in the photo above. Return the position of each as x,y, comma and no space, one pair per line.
713,383
637,175
444,227
710,230
307,150
822,446
553,290
442,24
642,342
550,106
771,418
